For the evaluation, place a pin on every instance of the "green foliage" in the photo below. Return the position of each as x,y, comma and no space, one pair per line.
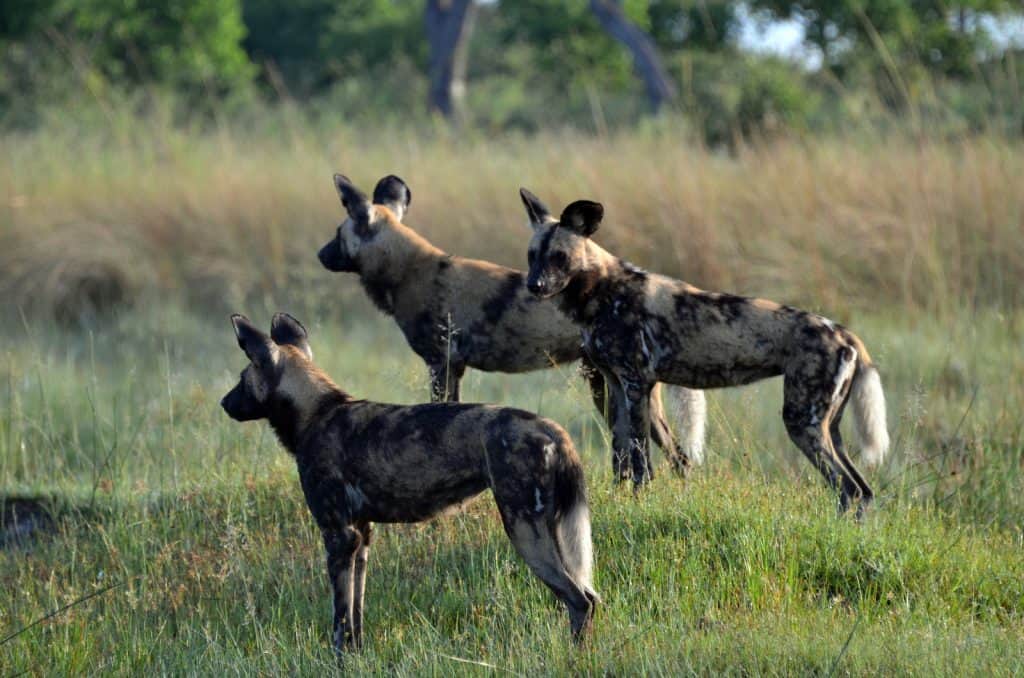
190,44
314,43
693,24
941,37
734,96
567,45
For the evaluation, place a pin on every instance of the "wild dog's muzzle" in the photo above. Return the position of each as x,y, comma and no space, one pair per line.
537,286
240,406
334,258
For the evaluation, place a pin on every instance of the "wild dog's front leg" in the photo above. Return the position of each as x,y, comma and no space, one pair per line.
638,405
607,395
359,584
445,379
341,545
618,421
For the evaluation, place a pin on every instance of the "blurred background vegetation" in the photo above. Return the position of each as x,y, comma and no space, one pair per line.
529,64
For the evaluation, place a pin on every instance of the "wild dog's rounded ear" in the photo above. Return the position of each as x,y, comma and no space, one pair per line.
582,217
251,340
354,200
394,194
285,330
535,209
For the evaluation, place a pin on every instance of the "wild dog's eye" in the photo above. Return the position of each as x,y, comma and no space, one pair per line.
559,259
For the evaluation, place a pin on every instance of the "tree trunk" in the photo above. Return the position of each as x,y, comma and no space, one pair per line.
645,57
449,25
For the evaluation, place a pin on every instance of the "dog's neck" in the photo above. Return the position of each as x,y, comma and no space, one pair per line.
585,294
302,398
397,266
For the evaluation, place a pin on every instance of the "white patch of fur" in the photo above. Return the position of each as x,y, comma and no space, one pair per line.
301,389
691,408
348,234
843,374
869,416
539,507
653,351
644,349
574,535
355,497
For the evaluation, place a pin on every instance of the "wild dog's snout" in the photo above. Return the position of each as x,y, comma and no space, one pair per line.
538,286
240,406
331,257
229,403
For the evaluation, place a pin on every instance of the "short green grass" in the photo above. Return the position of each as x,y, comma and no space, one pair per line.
189,532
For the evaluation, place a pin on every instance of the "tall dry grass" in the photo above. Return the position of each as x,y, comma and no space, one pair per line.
94,215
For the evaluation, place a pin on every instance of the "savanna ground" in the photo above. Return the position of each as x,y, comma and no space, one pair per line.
174,540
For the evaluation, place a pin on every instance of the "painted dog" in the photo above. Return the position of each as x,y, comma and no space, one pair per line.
641,328
363,462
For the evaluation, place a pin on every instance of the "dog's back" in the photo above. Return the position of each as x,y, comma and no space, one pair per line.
408,463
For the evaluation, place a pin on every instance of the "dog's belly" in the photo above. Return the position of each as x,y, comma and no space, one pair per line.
711,375
385,505
517,353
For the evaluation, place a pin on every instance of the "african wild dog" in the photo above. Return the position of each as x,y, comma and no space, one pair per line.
457,313
362,462
641,328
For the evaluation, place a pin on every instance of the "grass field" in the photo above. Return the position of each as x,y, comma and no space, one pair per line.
180,538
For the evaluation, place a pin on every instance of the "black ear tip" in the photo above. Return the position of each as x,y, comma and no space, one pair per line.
237,318
392,189
341,180
582,216
289,324
526,196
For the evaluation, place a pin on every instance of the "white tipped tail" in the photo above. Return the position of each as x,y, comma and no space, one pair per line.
691,409
573,534
869,415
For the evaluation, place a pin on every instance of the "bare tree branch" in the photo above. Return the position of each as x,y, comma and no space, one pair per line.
449,25
660,88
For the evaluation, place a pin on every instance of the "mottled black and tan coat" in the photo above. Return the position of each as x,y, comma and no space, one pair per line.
363,462
457,313
640,328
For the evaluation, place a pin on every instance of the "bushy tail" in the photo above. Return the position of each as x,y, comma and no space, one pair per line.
573,528
691,410
869,410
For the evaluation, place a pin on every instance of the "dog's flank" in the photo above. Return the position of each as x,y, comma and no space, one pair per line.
457,313
361,462
641,328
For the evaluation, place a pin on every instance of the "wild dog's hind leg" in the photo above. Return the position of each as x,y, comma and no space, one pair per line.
359,582
341,545
867,495
541,495
445,379
813,393
534,539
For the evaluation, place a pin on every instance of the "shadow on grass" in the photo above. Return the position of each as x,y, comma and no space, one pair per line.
25,519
